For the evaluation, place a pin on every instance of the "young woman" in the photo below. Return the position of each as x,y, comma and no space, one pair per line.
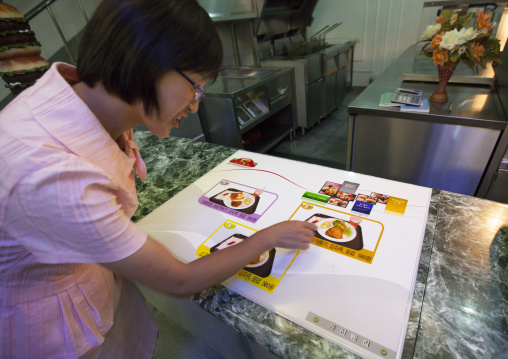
67,191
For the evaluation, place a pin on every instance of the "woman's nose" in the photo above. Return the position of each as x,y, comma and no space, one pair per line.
193,106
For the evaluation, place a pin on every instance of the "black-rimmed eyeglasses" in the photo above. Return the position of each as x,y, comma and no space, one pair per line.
200,92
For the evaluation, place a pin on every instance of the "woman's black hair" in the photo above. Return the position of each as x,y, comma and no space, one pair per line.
128,45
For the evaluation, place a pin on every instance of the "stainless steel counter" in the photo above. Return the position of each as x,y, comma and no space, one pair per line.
476,106
450,148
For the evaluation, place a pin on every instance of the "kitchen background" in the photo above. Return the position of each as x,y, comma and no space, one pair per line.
379,31
383,29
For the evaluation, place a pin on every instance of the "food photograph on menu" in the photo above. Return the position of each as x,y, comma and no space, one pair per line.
381,198
346,196
260,266
238,199
330,189
338,202
338,231
345,233
366,198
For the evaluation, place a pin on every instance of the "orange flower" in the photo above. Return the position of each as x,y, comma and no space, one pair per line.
440,56
483,21
478,51
434,44
440,20
454,18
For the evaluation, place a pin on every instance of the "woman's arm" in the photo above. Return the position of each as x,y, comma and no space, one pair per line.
155,267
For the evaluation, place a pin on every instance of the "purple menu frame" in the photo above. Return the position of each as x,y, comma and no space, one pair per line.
253,218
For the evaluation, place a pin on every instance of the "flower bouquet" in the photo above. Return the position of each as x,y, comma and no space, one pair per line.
451,39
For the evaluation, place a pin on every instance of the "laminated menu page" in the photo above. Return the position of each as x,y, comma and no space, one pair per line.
354,284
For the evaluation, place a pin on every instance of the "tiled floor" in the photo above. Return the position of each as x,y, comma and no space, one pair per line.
325,143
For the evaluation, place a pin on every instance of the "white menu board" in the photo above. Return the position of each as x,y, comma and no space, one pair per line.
353,285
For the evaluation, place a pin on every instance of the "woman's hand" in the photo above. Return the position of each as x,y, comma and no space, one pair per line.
288,234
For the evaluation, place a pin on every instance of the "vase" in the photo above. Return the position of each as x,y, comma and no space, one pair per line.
444,71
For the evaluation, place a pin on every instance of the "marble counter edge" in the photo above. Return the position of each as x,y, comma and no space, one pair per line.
465,307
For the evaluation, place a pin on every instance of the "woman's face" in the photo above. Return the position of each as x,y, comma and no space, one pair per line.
176,96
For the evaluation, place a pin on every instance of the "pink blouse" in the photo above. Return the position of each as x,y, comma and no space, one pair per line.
66,197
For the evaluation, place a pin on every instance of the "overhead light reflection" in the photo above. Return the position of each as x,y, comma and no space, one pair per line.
479,102
502,32
469,310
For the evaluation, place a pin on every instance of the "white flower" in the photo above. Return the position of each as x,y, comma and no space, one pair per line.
430,31
468,34
462,50
451,39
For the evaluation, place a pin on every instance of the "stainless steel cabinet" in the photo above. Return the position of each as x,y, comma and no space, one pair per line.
449,148
249,111
330,68
442,156
314,96
330,94
343,63
498,190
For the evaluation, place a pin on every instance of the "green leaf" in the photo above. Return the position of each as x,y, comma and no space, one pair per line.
25,84
469,51
465,20
491,42
446,27
425,51
447,14
471,65
17,19
15,32
23,45
483,36
493,57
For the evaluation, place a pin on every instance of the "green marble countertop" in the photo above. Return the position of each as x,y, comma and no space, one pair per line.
172,163
460,303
